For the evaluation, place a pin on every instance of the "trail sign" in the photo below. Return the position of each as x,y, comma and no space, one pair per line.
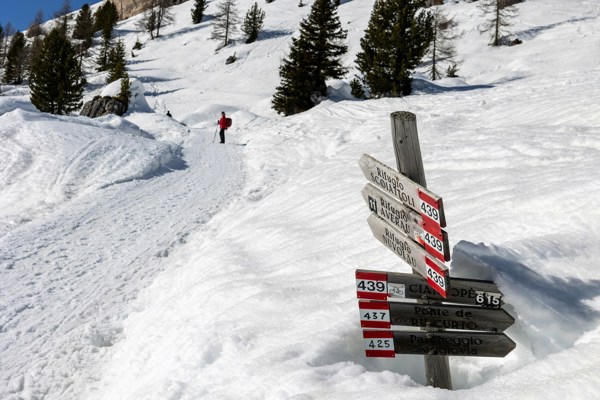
378,285
415,196
374,314
435,272
411,223
371,285
378,314
475,344
379,344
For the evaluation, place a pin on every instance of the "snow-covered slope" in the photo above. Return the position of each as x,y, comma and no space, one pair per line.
138,260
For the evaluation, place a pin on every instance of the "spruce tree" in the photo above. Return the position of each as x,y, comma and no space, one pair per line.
106,18
396,39
226,19
63,17
84,27
125,92
16,57
314,57
56,80
33,53
102,60
198,11
253,23
116,62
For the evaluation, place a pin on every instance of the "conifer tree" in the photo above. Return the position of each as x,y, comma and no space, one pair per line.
164,16
84,27
442,50
499,13
14,70
106,18
35,29
8,31
395,41
63,17
33,53
226,20
253,23
148,22
125,91
314,57
156,16
56,80
102,60
116,62
1,46
198,11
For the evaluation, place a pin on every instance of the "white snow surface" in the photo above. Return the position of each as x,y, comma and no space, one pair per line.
139,260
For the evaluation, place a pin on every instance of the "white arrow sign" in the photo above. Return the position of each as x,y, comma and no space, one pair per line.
434,271
408,221
410,193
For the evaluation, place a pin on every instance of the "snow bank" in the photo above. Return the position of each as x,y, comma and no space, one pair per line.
48,160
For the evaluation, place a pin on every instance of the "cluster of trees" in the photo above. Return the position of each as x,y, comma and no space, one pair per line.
400,34
52,61
226,21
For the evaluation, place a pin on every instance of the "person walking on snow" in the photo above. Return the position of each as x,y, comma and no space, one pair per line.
223,125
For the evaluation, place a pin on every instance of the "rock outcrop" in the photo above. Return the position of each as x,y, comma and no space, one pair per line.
129,8
100,106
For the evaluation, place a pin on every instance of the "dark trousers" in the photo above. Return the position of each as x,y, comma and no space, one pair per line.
222,135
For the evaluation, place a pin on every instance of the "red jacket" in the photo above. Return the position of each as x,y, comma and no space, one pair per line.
223,123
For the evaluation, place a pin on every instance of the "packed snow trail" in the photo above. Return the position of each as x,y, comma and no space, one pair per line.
114,242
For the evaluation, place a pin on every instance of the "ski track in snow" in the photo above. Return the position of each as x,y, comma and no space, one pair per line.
68,279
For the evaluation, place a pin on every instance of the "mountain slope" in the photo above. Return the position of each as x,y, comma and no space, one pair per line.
233,277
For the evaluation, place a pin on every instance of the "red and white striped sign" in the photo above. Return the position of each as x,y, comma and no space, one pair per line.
434,271
374,314
436,277
410,193
379,343
431,208
371,285
408,221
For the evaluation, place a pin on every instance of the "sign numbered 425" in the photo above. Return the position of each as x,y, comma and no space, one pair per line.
379,343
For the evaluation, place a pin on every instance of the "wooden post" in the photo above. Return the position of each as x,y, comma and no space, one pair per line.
410,164
406,146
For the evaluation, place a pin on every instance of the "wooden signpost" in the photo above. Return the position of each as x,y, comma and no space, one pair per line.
472,344
408,219
379,314
379,285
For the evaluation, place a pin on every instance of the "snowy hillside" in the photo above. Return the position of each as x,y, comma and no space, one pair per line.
138,260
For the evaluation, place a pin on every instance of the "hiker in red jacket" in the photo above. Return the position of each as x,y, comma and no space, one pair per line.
223,125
